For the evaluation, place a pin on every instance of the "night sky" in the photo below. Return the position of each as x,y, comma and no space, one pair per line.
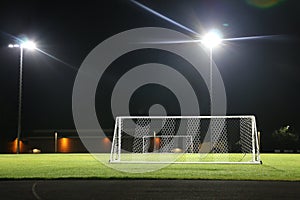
261,76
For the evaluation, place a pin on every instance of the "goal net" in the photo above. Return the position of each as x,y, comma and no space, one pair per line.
185,139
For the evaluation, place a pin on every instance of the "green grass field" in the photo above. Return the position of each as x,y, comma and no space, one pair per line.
54,166
186,157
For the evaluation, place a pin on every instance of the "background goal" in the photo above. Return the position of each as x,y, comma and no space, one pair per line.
185,139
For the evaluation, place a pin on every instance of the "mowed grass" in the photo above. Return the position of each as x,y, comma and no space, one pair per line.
55,166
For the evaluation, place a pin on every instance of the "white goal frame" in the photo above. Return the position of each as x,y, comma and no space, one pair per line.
116,149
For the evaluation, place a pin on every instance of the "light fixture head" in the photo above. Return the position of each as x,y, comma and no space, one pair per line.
212,39
13,46
28,45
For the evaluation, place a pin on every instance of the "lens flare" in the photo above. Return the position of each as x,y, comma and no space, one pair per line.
264,3
163,17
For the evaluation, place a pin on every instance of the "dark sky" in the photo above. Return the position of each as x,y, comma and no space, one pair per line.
261,76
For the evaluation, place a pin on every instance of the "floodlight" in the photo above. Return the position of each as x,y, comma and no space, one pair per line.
28,45
212,39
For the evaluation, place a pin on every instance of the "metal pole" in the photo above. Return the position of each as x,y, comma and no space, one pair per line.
253,139
20,100
211,100
55,142
211,80
120,137
154,142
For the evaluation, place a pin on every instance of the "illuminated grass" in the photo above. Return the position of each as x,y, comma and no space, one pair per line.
53,166
186,157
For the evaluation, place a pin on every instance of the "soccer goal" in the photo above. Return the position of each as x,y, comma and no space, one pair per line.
185,139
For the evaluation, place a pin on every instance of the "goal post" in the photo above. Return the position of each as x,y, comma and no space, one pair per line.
185,139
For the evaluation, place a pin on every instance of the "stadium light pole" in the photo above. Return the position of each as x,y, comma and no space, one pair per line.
30,46
211,40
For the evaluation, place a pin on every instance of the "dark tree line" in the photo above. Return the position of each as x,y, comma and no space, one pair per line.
286,138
